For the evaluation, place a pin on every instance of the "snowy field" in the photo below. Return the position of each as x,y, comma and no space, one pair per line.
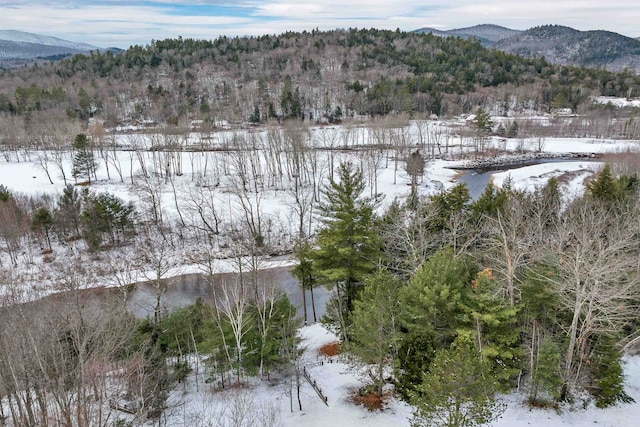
528,178
214,175
384,174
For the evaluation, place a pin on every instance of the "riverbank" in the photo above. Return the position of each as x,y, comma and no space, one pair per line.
507,161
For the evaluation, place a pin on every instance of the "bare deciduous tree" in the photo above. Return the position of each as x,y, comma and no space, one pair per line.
594,252
232,298
510,244
158,253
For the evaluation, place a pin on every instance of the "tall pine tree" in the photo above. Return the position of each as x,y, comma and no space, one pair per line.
374,332
84,163
347,246
492,323
431,313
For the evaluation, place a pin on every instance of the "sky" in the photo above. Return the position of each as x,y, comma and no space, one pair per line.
122,23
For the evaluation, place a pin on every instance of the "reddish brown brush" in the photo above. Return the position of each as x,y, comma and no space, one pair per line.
371,401
331,349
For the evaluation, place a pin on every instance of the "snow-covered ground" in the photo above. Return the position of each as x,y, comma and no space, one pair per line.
528,178
213,171
27,177
339,382
617,102
189,407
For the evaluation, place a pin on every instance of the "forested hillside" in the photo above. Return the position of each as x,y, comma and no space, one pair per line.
317,76
564,45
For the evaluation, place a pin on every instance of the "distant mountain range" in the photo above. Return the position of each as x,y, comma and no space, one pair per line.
24,37
564,45
19,47
488,34
558,44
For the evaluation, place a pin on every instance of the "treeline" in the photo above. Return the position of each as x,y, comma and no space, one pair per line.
453,300
306,76
100,219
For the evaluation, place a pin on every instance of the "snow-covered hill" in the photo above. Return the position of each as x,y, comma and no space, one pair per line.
486,31
24,37
18,48
21,50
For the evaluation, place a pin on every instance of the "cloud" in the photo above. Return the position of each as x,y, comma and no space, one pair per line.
125,22
105,25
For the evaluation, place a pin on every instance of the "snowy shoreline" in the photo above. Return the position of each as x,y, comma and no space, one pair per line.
507,161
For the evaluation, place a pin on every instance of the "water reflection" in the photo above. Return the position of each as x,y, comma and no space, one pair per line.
477,180
185,290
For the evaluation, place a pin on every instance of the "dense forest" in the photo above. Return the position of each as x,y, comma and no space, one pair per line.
316,76
548,295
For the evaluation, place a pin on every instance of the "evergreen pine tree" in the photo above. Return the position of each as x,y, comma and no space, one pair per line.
42,221
375,322
337,114
255,117
432,299
492,323
457,391
347,246
5,193
607,384
452,202
611,190
415,354
67,213
105,215
84,163
488,204
430,314
84,103
290,100
483,122
604,187
545,378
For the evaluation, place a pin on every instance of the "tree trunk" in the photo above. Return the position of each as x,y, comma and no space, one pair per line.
573,332
298,384
304,301
313,306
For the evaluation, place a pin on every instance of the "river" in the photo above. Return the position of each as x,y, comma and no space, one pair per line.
185,290
477,180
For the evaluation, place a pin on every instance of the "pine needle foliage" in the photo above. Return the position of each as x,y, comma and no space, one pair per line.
457,391
348,244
